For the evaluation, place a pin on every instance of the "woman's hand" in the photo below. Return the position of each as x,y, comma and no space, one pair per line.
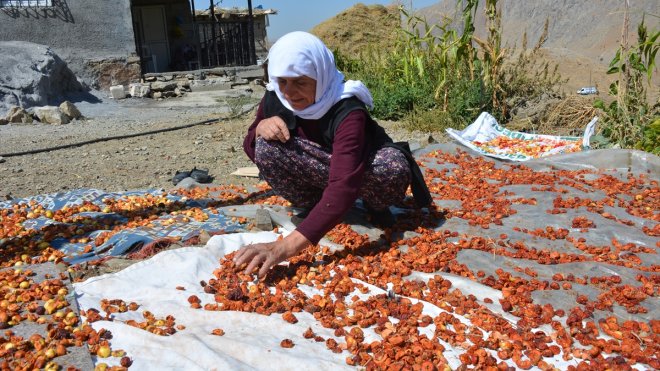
270,254
273,128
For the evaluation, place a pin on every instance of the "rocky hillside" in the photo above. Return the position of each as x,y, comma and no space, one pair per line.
590,29
583,36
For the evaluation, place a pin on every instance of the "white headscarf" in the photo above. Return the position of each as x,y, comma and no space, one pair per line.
301,53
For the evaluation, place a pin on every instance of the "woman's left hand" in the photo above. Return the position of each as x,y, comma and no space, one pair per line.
267,255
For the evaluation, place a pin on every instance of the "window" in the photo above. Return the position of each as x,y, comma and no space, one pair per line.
25,3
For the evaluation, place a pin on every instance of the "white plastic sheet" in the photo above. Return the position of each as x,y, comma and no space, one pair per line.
485,128
251,341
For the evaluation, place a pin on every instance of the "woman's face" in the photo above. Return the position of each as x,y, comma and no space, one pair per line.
300,92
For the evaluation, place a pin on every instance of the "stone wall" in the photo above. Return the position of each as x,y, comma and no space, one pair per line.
114,71
176,84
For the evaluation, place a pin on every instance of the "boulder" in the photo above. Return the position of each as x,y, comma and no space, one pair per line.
51,115
163,85
70,110
17,115
3,122
139,90
117,92
33,75
183,84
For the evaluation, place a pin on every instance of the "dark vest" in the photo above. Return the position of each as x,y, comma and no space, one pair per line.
330,122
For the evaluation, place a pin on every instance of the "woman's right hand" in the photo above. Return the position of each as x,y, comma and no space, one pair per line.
273,128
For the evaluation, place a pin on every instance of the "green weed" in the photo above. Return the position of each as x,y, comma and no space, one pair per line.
629,121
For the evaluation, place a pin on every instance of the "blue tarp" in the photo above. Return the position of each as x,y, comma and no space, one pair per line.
126,240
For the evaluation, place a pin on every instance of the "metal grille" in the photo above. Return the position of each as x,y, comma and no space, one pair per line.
224,43
25,3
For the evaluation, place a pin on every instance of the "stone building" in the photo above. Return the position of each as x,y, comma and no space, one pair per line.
116,42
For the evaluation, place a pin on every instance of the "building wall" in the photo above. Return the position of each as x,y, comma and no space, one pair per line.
79,31
260,36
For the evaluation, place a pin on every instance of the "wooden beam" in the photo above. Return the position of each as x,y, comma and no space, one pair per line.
253,54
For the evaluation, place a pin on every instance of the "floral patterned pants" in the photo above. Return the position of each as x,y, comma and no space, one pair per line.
299,170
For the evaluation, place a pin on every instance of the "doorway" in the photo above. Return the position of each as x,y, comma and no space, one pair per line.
151,32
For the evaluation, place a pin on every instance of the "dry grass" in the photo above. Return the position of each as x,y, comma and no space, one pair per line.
359,27
569,116
554,116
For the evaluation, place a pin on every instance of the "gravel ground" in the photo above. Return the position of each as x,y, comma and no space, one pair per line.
145,161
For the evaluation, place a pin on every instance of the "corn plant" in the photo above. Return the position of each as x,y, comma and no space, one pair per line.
628,117
493,56
466,50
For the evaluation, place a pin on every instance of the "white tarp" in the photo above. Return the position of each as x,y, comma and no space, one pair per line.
485,128
251,341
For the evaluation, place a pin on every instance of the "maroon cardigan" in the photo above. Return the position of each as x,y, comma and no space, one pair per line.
347,166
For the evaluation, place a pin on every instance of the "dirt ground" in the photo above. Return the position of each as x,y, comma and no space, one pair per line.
141,162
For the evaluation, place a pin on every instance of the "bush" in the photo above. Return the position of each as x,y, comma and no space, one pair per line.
393,102
650,141
429,120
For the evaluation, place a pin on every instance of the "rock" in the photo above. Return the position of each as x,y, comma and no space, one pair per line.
33,75
239,81
178,92
204,236
263,220
163,85
169,94
156,94
139,90
4,122
116,264
251,73
17,115
210,84
2,160
117,92
245,88
70,110
51,115
150,78
183,84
